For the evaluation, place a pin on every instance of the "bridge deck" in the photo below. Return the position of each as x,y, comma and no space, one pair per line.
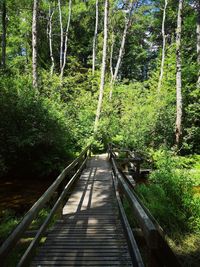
90,233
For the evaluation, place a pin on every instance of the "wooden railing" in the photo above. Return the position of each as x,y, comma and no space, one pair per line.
160,254
131,157
78,165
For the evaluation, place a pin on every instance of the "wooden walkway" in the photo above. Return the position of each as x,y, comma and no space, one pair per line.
90,233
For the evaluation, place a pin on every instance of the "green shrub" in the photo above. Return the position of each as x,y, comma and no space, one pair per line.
170,196
35,137
8,222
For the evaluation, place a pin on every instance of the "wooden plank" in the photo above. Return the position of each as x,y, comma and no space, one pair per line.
31,214
83,264
84,242
25,258
92,246
80,257
82,249
85,237
81,261
91,233
81,238
109,228
84,253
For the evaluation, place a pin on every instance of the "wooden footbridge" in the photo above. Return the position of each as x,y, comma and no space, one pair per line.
93,229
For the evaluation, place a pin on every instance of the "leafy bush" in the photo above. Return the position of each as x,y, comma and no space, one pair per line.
35,137
8,223
170,196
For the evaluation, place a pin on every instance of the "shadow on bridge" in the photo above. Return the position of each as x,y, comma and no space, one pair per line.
90,232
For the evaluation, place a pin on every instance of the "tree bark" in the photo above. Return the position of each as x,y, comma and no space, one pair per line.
178,75
49,32
66,40
121,50
163,47
111,54
95,37
61,35
198,41
3,56
34,43
103,67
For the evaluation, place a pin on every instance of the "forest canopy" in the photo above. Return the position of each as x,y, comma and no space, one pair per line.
60,59
79,72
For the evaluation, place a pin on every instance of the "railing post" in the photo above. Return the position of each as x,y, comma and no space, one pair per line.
90,151
85,157
110,151
137,168
121,195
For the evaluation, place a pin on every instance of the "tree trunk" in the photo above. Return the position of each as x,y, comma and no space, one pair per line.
111,55
3,56
95,37
178,76
163,48
34,43
103,67
121,50
66,40
198,41
61,35
49,32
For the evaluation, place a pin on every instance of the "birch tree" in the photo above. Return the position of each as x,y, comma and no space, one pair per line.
198,41
163,47
103,66
34,43
121,50
61,35
3,42
178,75
66,40
111,54
49,33
95,37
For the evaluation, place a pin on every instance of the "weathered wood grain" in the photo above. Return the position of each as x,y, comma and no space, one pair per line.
91,233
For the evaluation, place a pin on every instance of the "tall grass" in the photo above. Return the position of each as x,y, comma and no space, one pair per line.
170,195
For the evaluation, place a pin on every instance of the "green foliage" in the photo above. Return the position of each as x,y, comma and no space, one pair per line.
138,116
8,223
170,195
34,131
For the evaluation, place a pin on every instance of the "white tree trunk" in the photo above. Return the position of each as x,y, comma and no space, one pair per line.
198,41
95,37
178,75
49,32
111,55
103,67
121,50
3,42
61,35
163,48
34,43
66,40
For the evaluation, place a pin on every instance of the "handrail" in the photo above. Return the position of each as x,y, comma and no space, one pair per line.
44,226
131,156
18,232
134,250
148,228
151,229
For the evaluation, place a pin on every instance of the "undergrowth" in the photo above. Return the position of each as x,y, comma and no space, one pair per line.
172,200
